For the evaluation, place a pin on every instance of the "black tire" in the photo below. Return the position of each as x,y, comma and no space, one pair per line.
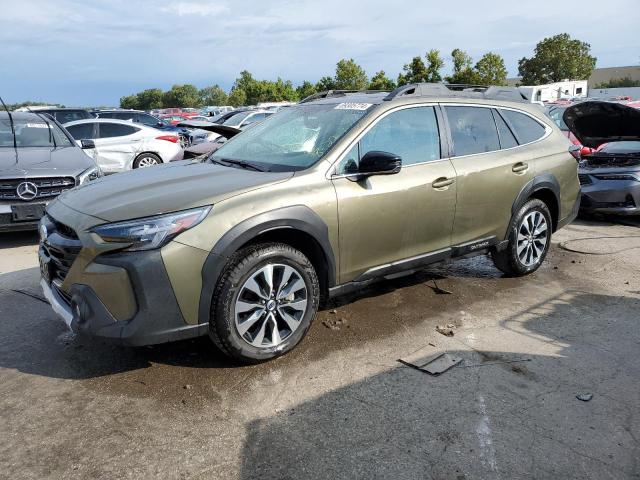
508,260
240,268
151,157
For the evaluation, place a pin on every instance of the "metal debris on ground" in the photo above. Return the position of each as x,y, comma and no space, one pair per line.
438,290
433,364
447,331
584,397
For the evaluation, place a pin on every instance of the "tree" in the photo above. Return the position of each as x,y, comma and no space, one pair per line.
462,70
434,65
490,70
619,83
213,95
380,81
237,97
555,59
307,88
350,76
129,102
325,83
149,99
181,96
414,72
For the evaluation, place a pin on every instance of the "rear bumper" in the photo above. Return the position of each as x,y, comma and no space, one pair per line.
620,197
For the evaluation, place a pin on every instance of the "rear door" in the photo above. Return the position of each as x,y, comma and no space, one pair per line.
116,146
393,218
491,170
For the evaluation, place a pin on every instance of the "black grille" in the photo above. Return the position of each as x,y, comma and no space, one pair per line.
584,179
48,187
62,246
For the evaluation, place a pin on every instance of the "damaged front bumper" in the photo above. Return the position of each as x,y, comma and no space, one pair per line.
610,191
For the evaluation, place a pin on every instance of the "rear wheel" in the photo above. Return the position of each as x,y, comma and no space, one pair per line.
529,240
147,160
264,303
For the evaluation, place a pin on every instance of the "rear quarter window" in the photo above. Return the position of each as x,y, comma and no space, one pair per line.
525,128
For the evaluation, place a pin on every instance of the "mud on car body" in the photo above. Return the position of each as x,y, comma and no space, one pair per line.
305,206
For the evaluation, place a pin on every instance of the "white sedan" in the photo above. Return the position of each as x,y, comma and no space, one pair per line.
118,145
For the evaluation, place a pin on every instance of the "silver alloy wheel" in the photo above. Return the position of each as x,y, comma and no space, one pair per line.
532,238
147,162
270,305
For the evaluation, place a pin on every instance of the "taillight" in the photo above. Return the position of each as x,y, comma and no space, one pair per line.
168,138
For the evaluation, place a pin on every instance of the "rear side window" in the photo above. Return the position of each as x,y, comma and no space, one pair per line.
108,130
524,127
81,131
146,119
472,130
507,140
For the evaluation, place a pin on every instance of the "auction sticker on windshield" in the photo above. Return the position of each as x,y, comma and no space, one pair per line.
353,106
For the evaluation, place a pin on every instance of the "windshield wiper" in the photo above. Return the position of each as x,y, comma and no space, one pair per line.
240,163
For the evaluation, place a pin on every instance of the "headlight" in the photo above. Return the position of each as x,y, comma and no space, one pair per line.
89,174
617,176
151,232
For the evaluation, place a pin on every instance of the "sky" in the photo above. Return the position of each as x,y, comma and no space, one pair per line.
91,53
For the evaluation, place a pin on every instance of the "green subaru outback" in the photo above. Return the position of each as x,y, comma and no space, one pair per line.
338,191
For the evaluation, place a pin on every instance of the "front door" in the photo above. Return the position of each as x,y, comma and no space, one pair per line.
391,218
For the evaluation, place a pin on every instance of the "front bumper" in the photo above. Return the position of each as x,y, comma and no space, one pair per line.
156,317
8,222
620,197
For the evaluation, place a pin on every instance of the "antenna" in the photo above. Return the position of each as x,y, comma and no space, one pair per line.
13,129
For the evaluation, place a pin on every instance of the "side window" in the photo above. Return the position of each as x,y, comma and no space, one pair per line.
109,130
106,115
127,116
349,163
146,119
81,131
524,127
472,130
507,140
411,133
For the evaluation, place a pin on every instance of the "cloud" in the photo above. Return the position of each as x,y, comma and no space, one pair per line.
196,8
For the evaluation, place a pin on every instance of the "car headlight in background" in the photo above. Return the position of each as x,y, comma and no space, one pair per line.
151,232
89,174
617,176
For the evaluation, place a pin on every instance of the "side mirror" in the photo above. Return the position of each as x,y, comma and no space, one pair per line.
87,143
379,163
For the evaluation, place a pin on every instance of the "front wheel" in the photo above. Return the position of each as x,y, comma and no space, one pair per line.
264,303
529,240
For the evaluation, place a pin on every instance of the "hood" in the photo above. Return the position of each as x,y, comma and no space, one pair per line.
223,130
39,161
164,189
594,123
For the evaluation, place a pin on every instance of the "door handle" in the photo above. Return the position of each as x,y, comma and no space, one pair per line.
520,167
442,182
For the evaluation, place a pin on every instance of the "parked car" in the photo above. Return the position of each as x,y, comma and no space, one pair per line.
146,119
320,199
118,145
223,133
610,174
243,119
40,164
66,115
222,117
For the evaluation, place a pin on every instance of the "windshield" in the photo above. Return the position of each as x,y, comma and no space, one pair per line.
32,132
294,138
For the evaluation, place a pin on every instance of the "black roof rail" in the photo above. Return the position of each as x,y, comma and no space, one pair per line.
458,91
336,93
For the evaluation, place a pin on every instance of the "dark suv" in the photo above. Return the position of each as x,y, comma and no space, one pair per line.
66,115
